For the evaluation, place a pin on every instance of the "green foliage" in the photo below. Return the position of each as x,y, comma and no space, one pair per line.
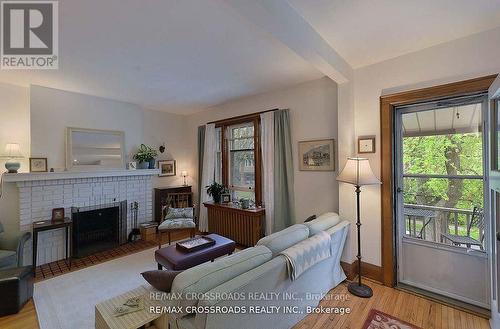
457,154
145,154
215,190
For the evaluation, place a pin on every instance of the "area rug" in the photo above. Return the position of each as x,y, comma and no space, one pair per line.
68,301
381,320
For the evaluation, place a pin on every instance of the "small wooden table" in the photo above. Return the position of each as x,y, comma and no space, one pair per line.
105,318
48,225
427,215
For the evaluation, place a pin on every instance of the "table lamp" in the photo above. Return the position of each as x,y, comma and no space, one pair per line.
358,172
12,152
184,174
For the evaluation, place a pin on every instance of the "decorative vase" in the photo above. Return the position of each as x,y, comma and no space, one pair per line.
12,166
143,165
152,164
216,198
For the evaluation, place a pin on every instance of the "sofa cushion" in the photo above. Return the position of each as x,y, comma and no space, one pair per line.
8,258
176,223
322,223
161,280
279,241
202,278
179,213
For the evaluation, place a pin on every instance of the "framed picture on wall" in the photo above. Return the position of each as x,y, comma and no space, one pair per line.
317,155
167,168
366,145
38,164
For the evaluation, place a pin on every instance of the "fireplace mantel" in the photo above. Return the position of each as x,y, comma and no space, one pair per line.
28,177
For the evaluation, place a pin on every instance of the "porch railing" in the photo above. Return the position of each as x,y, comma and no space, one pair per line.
444,220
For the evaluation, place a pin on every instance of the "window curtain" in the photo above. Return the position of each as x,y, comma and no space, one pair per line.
201,150
208,173
284,204
267,147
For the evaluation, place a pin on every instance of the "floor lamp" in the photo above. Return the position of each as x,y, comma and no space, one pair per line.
357,172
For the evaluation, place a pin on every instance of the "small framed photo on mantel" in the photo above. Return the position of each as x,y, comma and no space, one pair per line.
58,214
38,165
366,144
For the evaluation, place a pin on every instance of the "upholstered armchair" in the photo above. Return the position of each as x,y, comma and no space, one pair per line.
176,220
13,258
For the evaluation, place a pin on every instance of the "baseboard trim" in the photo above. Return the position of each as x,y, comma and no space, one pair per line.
368,270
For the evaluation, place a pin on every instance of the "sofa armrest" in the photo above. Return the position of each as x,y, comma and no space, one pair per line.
20,247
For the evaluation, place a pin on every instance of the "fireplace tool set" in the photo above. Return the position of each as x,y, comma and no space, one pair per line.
135,233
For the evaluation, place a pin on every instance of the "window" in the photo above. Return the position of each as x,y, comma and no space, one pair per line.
238,159
218,156
241,160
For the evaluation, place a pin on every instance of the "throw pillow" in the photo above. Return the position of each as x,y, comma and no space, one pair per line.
161,280
179,213
310,218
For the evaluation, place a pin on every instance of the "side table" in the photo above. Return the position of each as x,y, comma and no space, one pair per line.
48,225
105,319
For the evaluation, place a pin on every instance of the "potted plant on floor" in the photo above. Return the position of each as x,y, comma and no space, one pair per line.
215,190
145,157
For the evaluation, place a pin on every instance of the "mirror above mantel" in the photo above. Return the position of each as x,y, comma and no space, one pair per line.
92,149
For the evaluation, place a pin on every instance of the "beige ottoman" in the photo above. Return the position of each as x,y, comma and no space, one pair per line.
105,319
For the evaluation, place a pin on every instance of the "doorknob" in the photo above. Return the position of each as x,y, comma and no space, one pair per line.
399,190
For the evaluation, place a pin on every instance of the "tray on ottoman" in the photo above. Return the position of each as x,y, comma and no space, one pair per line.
194,244
174,259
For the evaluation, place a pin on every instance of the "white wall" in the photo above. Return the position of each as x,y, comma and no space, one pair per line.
53,110
14,123
465,58
14,128
313,115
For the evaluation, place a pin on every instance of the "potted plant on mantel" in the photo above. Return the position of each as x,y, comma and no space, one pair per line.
145,157
215,190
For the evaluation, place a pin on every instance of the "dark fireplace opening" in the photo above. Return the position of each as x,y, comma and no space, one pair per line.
98,228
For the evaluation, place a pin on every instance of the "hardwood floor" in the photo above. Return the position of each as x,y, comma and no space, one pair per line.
406,306
25,319
411,308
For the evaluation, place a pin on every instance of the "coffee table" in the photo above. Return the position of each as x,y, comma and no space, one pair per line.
173,259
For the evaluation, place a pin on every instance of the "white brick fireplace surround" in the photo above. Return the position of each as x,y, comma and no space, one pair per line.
39,193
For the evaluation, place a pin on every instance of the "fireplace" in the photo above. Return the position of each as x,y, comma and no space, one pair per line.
98,228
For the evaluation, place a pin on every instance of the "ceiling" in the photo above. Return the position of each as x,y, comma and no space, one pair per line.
185,56
176,56
450,120
365,32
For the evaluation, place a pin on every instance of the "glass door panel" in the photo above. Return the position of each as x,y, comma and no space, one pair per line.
442,237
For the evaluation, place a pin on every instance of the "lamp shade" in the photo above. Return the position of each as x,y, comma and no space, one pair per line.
357,171
12,151
184,173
